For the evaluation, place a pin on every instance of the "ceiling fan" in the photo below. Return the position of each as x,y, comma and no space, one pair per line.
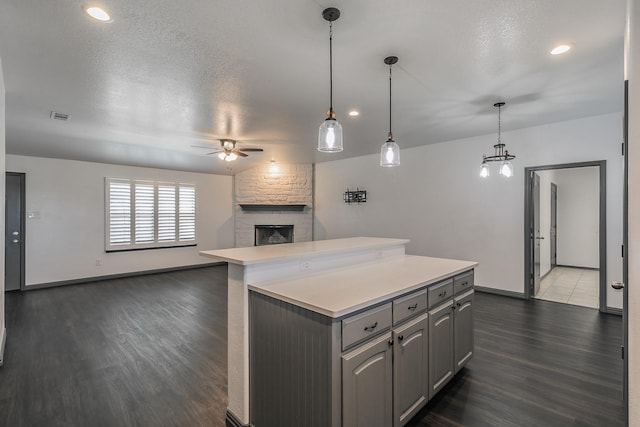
229,152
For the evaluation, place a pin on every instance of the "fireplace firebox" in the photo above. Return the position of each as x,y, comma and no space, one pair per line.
273,234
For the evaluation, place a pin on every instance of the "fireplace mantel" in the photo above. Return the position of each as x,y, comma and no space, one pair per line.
271,207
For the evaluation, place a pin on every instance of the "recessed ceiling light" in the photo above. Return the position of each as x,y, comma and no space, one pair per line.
558,50
354,113
98,13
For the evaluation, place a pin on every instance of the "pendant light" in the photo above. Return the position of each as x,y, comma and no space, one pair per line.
501,155
390,152
330,134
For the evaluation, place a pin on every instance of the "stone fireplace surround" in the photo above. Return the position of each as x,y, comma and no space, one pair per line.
292,186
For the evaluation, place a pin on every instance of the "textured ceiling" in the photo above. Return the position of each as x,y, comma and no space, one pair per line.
164,76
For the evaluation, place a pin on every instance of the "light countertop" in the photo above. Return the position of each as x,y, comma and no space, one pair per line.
290,251
342,291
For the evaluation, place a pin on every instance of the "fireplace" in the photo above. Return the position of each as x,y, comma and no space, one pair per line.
273,234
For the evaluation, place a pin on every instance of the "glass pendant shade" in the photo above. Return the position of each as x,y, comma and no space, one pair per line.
390,154
506,169
484,170
330,136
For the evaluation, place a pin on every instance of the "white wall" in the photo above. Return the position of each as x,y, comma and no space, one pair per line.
578,217
2,190
437,199
68,237
632,73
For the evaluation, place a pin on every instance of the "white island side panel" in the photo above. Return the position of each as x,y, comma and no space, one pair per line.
339,292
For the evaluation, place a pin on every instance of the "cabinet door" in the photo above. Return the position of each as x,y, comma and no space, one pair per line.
463,321
440,347
367,385
410,369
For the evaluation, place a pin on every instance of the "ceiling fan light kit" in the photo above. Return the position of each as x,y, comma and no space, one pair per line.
229,152
330,132
500,154
390,152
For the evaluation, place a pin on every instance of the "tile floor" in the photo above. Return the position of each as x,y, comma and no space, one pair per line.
575,286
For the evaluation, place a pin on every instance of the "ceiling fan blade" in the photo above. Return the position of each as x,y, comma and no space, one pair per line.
214,152
204,146
241,154
250,149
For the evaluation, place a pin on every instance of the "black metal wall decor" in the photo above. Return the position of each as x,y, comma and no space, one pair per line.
355,196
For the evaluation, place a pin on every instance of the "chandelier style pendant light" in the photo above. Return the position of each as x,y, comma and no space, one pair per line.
390,152
330,134
501,155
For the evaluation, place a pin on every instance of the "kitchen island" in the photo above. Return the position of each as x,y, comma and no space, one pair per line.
337,280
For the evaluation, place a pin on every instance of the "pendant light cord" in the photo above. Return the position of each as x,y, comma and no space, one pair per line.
390,134
331,67
499,123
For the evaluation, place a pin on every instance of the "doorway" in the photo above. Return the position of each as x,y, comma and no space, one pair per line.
565,233
14,231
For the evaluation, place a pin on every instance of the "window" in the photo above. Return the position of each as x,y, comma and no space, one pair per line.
148,214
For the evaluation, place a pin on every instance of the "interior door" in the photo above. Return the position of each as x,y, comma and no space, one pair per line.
553,224
14,231
536,232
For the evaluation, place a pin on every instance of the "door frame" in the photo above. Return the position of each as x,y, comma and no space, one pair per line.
554,219
23,205
528,224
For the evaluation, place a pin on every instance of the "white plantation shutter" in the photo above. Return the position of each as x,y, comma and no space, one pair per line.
166,213
144,212
147,214
187,213
119,215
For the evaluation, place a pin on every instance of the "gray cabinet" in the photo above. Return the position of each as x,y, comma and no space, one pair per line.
376,367
450,329
367,384
463,329
441,354
410,369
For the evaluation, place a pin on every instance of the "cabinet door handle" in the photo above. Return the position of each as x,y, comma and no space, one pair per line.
390,342
412,307
442,294
400,337
371,327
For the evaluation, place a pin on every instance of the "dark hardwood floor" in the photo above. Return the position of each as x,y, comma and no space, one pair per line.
151,351
141,351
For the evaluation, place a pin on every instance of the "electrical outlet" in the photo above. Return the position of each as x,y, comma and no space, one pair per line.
305,265
98,262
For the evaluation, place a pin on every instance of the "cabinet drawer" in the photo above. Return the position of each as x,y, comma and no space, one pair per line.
364,325
440,292
409,306
463,282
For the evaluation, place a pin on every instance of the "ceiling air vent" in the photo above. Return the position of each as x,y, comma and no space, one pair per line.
59,116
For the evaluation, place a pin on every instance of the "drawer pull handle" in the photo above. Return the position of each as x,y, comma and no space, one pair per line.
442,294
412,307
371,327
464,283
